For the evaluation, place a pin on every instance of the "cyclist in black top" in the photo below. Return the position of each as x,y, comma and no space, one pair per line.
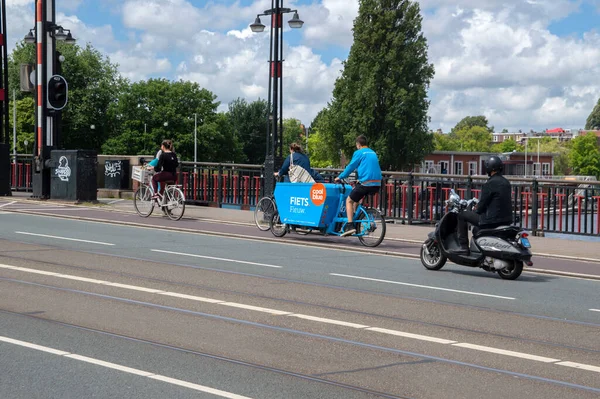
166,168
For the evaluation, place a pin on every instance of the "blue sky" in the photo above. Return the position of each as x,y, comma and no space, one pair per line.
525,64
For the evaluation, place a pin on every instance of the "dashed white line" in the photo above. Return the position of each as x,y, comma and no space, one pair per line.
215,258
580,366
114,202
422,286
277,312
595,310
125,369
63,238
507,353
410,335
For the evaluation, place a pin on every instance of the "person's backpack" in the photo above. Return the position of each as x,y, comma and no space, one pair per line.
298,174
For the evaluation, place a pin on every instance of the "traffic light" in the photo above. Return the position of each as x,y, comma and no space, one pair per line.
57,92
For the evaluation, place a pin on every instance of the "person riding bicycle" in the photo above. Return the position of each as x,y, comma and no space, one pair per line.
365,162
299,158
494,207
166,168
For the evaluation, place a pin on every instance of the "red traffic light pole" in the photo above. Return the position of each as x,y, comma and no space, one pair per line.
45,138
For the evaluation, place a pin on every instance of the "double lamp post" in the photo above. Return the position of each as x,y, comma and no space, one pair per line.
274,150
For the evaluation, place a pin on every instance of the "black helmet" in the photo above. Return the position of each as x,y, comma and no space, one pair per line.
494,164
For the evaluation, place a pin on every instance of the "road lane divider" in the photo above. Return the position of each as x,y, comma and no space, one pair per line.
595,310
215,258
7,204
421,286
125,369
63,238
277,312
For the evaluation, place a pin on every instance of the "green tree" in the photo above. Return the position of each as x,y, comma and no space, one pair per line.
25,124
153,110
249,123
473,139
593,120
94,85
382,92
472,121
323,146
292,132
508,145
585,155
445,142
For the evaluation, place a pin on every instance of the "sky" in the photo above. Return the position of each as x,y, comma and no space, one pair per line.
524,64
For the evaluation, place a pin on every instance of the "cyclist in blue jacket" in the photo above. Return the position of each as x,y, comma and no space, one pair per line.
366,163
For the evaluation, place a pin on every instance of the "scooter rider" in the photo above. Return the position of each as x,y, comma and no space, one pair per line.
493,209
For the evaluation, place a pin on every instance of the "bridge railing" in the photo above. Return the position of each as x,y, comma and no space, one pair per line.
545,205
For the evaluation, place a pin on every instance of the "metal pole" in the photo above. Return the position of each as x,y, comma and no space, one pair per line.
526,142
5,114
15,125
195,143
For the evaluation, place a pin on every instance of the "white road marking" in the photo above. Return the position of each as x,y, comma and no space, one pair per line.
422,286
328,321
62,238
125,369
276,312
214,258
114,202
595,310
191,297
507,353
414,336
580,366
7,204
255,308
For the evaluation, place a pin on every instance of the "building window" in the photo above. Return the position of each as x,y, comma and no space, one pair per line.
536,169
428,166
472,168
495,138
546,169
458,170
444,167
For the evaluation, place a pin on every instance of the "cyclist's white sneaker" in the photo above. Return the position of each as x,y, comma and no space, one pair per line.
348,229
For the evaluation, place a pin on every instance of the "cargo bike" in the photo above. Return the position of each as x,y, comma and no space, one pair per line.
306,208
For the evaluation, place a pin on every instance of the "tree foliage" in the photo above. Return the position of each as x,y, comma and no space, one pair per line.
249,123
323,146
472,121
593,120
94,84
382,92
585,155
157,109
292,133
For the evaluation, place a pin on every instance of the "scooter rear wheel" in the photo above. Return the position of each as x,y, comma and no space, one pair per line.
513,272
434,260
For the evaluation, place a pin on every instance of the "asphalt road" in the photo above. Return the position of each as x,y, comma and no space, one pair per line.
101,310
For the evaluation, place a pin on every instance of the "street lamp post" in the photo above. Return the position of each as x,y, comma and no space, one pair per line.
48,108
274,157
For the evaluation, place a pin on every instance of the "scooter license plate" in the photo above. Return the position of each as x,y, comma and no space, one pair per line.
525,243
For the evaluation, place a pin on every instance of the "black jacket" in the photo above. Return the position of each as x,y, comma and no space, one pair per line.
167,162
495,204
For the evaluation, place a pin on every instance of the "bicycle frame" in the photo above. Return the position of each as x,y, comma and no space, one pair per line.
342,218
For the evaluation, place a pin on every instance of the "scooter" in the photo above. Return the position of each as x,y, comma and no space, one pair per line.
502,250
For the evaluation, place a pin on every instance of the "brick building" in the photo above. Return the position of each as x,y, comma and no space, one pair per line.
472,163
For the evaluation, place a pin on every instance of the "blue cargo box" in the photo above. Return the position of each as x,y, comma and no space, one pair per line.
309,204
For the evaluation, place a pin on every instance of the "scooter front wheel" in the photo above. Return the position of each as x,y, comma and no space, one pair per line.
432,258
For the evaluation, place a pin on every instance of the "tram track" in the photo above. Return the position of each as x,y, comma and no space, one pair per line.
324,307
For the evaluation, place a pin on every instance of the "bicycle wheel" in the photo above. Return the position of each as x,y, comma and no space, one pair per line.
174,203
372,227
277,228
263,213
142,201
